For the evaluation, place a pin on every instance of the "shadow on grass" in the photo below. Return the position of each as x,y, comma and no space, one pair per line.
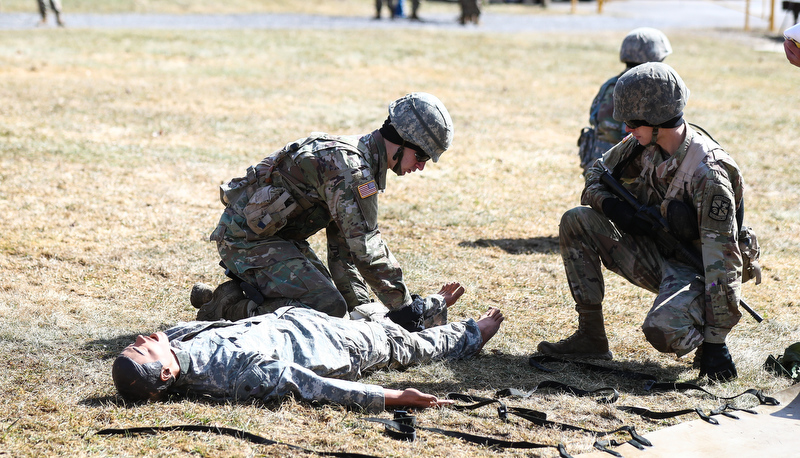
500,371
547,245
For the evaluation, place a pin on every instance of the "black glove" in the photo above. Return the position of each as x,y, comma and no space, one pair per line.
716,363
625,217
409,316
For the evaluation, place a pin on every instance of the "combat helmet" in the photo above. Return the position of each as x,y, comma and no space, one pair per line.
651,94
422,119
644,44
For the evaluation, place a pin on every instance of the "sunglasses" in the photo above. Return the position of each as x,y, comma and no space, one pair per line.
635,124
421,157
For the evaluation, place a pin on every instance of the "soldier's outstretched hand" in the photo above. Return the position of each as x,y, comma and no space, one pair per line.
451,292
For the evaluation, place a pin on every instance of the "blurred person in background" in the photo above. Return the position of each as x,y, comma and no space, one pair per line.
55,5
640,45
389,4
470,11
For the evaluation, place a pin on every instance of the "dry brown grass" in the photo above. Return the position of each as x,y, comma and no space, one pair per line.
113,144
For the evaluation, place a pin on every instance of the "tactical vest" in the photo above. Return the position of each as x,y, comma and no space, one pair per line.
748,242
270,200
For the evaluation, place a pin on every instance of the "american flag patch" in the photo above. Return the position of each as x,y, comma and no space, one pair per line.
367,189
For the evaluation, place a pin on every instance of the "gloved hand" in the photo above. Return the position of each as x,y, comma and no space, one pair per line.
625,217
409,316
716,363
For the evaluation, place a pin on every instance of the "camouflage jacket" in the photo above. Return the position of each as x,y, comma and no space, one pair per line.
601,114
716,191
294,351
335,180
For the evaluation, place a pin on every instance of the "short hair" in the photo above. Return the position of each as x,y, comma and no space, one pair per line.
138,382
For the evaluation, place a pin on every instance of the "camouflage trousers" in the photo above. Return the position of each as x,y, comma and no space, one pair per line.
675,322
286,272
391,346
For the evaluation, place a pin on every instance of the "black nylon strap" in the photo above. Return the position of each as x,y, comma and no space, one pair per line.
536,417
237,433
655,386
408,423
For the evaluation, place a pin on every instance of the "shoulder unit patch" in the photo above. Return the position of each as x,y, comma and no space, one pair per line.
720,208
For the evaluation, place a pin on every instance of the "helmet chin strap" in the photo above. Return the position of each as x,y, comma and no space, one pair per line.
398,158
653,137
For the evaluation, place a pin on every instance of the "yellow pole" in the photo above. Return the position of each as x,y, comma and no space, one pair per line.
771,15
599,6
573,6
747,16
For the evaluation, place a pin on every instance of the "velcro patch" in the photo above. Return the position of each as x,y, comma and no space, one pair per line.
720,208
367,189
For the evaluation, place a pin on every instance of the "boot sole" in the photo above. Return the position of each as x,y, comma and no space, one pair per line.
607,356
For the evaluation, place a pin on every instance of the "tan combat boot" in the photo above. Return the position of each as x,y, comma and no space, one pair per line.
214,305
589,341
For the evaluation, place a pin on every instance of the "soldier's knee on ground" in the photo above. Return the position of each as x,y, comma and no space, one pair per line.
657,337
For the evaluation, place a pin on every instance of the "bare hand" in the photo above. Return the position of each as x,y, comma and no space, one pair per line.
451,292
792,52
411,397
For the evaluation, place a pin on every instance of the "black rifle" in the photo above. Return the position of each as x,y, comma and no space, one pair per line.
661,234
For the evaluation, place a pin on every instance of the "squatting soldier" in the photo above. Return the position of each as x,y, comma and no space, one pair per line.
639,46
296,351
698,189
323,182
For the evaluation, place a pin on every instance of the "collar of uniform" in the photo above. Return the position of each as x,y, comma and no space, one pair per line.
377,151
671,165
681,153
184,361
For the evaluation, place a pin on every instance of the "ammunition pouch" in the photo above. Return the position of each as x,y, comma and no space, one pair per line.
268,209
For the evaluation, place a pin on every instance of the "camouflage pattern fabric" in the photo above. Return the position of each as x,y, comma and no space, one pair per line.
334,182
306,353
607,131
690,306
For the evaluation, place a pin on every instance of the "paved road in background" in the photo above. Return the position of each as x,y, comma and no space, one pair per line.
617,15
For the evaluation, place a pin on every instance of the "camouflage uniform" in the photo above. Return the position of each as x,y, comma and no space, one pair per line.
331,183
306,353
607,131
690,306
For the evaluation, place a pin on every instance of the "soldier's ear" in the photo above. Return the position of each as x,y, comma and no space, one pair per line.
166,374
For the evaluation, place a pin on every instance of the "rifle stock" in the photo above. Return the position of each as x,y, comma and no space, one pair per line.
661,233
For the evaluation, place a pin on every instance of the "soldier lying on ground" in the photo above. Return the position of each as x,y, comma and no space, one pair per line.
322,182
296,351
